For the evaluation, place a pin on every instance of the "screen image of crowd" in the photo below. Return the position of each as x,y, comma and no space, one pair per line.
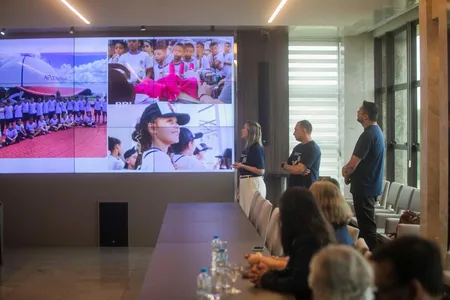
167,140
182,70
51,89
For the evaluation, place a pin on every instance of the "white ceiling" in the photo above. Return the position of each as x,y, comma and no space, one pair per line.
104,13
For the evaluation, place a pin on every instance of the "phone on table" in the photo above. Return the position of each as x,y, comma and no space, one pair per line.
258,249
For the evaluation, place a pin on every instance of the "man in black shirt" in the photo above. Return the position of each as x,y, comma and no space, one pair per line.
304,163
365,172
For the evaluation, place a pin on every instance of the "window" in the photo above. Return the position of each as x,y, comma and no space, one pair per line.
314,82
397,92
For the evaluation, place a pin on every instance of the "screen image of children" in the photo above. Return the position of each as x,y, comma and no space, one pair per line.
162,141
190,70
27,117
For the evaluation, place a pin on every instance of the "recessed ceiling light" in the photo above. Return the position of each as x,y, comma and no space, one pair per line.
277,10
75,11
71,31
3,31
143,28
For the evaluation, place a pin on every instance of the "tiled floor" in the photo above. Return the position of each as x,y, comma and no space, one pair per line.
73,273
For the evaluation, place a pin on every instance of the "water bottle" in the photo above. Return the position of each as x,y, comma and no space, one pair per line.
204,286
220,270
224,246
215,246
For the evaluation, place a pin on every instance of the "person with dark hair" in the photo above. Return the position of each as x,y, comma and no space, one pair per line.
138,63
130,157
409,267
365,172
228,58
115,151
225,162
183,152
303,231
177,66
190,62
158,128
215,59
304,162
120,48
162,59
203,62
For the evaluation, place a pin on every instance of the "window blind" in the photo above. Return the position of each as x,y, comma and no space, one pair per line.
314,87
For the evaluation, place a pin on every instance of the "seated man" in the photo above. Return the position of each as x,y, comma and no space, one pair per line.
409,267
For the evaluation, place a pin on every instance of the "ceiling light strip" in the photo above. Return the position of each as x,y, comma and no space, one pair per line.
277,10
75,11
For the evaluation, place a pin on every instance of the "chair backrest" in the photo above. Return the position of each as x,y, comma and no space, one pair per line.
253,216
393,194
273,240
252,206
354,233
415,201
383,197
404,198
263,219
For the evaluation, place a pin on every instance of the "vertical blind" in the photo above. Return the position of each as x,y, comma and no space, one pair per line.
314,95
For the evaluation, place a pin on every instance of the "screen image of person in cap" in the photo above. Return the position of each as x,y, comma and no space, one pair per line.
130,157
200,151
157,129
225,160
183,152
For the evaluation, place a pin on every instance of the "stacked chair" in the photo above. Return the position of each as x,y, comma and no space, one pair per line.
396,199
266,223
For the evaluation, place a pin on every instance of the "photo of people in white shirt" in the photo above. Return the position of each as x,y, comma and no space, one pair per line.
176,69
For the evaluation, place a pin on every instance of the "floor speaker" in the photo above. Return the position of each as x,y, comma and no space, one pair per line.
264,100
113,224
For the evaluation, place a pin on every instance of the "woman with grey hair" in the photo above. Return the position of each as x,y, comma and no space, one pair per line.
339,272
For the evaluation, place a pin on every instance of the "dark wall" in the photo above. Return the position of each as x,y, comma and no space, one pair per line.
62,209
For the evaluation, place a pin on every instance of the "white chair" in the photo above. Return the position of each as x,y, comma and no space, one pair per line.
391,201
254,214
252,205
415,201
403,203
263,219
273,240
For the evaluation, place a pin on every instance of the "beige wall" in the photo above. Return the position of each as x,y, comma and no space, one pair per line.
61,210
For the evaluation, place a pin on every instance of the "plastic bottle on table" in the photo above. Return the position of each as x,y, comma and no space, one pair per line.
204,285
215,247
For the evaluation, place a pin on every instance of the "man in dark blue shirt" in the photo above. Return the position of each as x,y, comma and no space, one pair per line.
304,163
365,172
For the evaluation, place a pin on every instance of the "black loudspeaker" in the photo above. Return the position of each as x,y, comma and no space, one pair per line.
264,100
113,224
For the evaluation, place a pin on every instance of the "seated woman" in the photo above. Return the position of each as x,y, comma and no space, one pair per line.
335,208
336,211
340,272
304,231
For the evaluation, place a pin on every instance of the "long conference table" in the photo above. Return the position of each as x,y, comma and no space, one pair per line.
183,249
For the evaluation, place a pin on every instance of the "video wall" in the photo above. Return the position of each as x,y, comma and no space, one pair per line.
83,105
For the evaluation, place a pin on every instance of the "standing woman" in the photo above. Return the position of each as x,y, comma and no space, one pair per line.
251,165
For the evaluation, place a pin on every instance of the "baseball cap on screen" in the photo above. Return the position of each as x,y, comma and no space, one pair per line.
34,76
161,110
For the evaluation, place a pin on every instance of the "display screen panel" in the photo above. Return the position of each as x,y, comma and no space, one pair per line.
93,105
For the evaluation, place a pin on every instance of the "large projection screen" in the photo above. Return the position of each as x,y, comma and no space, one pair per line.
99,105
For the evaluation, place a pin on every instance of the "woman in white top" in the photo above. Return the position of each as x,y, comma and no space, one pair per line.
158,128
115,151
183,157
